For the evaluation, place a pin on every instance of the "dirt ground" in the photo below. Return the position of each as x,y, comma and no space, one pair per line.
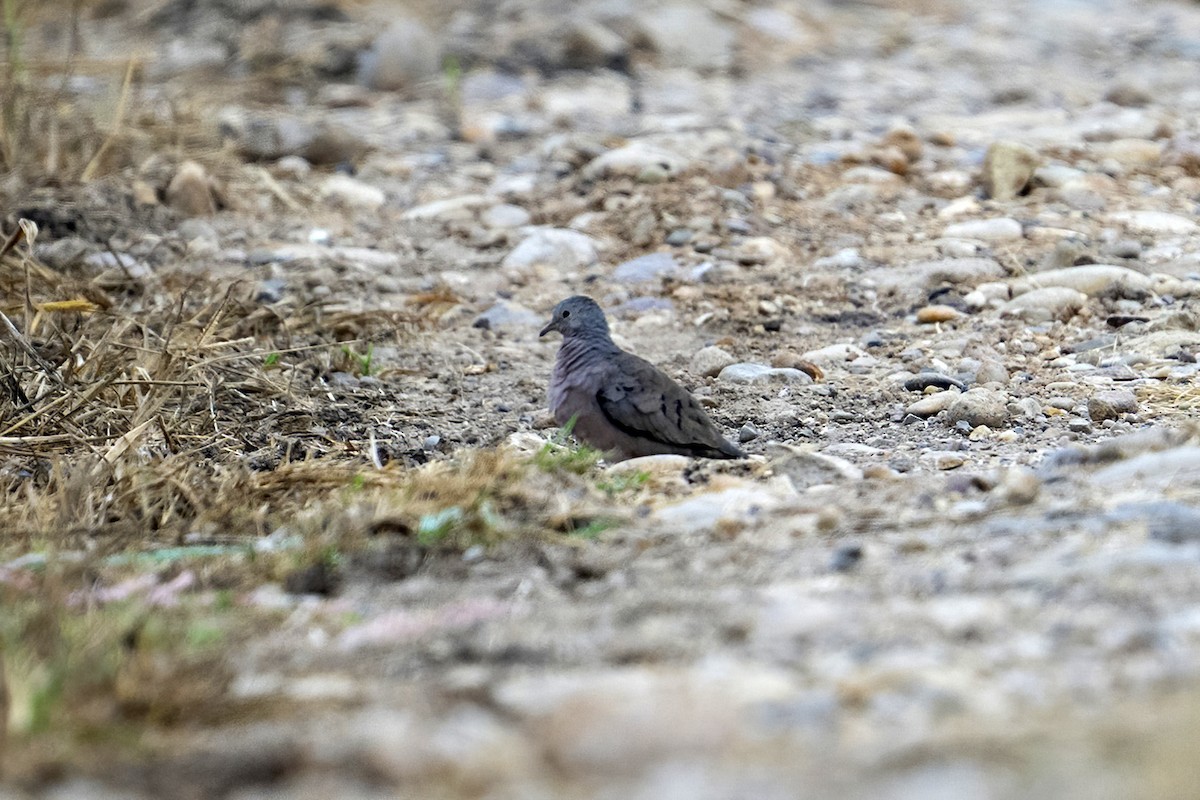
284,511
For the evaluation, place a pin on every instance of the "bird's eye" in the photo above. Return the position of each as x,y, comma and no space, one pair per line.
565,313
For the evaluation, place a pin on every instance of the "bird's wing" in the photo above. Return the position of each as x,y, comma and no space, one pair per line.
639,400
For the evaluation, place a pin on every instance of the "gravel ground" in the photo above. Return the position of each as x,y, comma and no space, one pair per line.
935,265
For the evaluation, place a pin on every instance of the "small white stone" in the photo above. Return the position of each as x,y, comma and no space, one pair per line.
505,215
933,404
558,248
1091,279
633,161
1001,229
1044,305
1153,222
452,208
834,354
352,192
761,373
959,207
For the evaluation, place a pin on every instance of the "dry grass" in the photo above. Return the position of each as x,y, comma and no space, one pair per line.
1171,400
149,423
52,131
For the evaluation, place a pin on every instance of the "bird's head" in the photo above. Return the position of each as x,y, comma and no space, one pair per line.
577,316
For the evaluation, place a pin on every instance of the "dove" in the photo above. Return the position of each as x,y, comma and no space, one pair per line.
620,403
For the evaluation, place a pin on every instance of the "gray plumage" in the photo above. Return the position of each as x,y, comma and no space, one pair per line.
622,404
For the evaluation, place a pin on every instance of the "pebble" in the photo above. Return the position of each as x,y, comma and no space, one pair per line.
808,468
679,237
1008,168
352,193
748,433
1028,407
402,56
665,469
687,36
848,258
1090,279
938,313
192,192
1079,425
942,460
1045,305
906,139
923,380
1154,222
65,252
558,248
759,250
506,314
992,293
1125,248
834,354
950,181
1056,176
915,280
587,45
960,207
650,267
846,557
977,407
747,372
709,361
788,358
1132,153
991,370
505,216
1002,229
635,160
293,167
1080,196
979,433
932,405
191,230
259,136
1111,404
449,210
738,504
1019,486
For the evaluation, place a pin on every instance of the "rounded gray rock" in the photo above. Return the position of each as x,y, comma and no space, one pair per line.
1001,229
1007,169
402,56
1111,404
1045,304
709,361
650,267
505,215
979,407
557,248
687,35
760,373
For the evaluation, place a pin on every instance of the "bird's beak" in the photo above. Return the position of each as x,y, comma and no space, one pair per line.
550,326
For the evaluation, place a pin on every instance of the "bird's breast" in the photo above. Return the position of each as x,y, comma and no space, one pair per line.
578,370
